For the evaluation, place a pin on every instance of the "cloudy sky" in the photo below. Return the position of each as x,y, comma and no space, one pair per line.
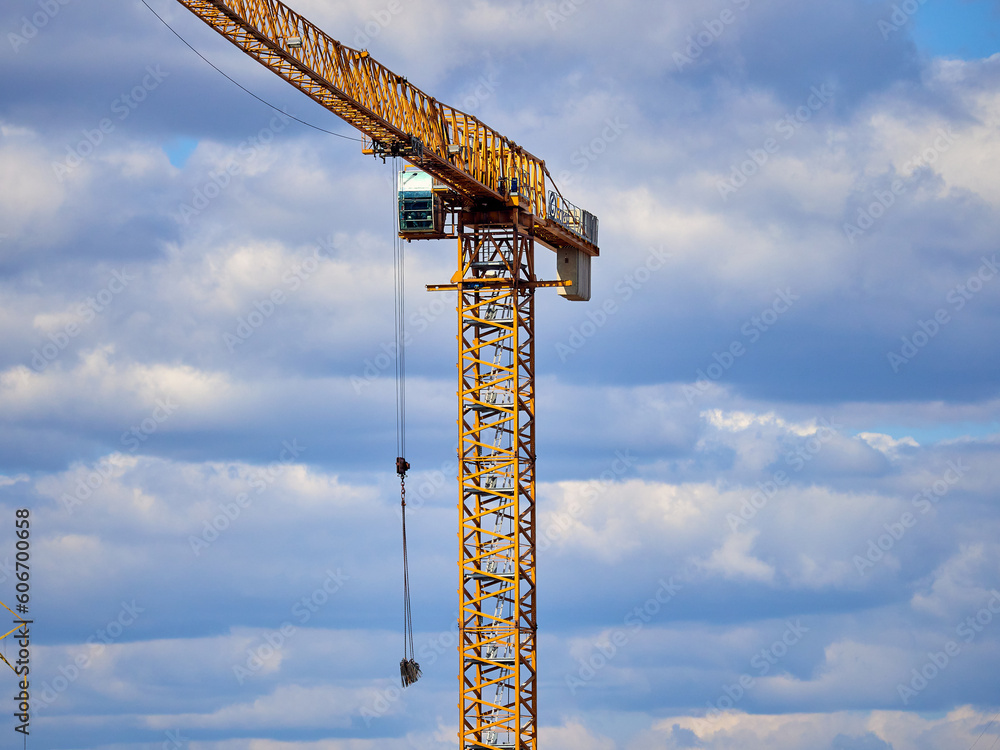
768,480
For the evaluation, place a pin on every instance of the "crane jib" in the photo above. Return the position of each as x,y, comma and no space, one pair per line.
400,119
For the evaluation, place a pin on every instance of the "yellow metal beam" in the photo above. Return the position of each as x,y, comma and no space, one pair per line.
497,485
476,161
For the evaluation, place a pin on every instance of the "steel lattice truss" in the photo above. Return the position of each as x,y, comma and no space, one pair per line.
476,161
497,485
383,105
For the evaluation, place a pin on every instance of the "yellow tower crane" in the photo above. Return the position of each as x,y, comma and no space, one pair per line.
472,184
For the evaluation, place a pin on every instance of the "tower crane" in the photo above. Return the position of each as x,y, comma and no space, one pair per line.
469,182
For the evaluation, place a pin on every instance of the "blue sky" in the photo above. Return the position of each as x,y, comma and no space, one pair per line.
967,30
770,476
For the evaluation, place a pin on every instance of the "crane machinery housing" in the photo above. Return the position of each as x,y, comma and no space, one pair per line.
468,182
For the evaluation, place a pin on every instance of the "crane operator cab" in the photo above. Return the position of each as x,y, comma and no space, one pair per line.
421,212
423,205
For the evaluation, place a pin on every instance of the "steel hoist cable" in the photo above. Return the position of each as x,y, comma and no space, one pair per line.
409,670
240,85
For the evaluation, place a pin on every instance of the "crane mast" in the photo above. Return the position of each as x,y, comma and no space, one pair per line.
497,620
472,184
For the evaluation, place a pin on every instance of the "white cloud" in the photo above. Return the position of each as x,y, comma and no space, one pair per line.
958,728
573,736
290,706
962,584
29,203
8,481
887,444
734,560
